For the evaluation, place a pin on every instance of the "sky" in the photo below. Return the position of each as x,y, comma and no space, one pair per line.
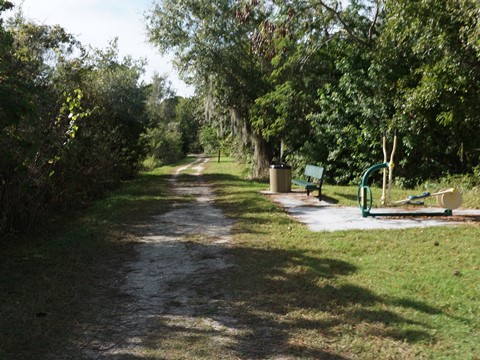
96,22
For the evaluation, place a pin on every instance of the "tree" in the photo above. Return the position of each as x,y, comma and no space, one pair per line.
9,100
174,124
189,118
207,40
321,98
70,125
428,70
324,79
31,137
163,135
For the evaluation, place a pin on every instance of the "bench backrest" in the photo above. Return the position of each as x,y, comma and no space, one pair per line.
314,171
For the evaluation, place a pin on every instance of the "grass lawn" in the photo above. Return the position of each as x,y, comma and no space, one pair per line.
66,272
403,294
400,294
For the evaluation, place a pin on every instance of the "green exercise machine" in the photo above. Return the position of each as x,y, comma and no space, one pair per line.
449,199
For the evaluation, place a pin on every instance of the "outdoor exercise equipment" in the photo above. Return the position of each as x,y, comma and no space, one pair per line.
449,199
385,199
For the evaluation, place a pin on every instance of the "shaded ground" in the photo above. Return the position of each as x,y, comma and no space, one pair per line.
170,301
169,283
324,216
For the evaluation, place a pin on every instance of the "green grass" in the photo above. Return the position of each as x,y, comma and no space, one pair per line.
400,294
360,294
47,280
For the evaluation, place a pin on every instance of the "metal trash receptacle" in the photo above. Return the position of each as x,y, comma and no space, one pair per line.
280,178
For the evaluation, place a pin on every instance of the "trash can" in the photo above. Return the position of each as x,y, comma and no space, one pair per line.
280,178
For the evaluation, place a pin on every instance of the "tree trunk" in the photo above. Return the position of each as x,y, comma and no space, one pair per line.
263,152
262,157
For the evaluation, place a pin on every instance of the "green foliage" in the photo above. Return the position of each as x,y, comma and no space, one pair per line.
327,78
188,117
209,139
429,74
321,101
164,144
70,122
211,42
6,72
349,74
173,124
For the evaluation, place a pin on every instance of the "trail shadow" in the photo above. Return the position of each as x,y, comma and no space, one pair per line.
257,309
247,305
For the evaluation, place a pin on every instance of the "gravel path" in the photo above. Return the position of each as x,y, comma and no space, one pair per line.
169,283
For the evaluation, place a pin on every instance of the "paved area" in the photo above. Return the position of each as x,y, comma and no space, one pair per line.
322,216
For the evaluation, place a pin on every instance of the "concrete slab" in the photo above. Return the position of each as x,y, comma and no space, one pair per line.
322,216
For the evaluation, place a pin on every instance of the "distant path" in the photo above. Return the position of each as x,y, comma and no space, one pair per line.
168,283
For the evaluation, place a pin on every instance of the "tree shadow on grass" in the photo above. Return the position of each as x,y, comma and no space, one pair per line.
284,303
329,199
280,307
249,308
272,303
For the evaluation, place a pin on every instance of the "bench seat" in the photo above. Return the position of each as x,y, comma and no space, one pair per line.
311,172
307,185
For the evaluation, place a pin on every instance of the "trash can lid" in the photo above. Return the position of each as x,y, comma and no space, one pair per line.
280,166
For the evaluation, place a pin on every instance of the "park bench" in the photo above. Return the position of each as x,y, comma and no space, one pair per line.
314,180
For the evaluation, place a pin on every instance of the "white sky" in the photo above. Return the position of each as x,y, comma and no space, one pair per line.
96,22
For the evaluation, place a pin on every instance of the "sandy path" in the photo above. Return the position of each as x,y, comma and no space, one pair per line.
162,286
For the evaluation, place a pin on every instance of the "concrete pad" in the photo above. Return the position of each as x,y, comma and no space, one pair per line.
322,216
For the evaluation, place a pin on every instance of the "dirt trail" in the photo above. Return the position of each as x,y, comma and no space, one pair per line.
168,284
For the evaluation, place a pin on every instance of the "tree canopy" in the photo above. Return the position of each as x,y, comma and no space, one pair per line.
306,81
324,79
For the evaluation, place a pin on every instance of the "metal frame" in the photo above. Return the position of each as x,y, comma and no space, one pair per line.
365,194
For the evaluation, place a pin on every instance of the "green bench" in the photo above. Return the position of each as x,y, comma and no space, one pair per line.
314,180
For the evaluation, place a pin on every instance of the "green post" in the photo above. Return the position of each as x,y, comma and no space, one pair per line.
364,187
